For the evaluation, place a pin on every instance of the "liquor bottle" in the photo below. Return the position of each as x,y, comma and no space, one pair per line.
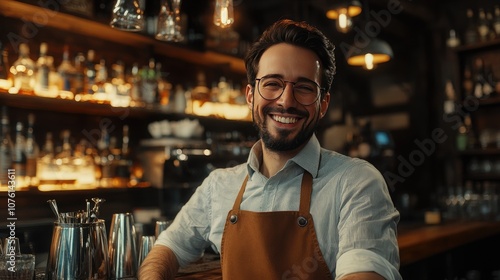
478,78
42,72
79,78
31,150
84,165
135,83
46,170
100,94
224,90
483,28
149,83
468,84
66,153
23,70
19,158
496,22
66,73
449,102
6,148
471,32
120,90
201,90
5,82
123,161
179,99
103,159
90,73
471,138
491,28
164,87
67,172
489,82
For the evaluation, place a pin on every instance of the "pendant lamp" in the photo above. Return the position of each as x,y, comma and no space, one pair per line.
342,12
376,51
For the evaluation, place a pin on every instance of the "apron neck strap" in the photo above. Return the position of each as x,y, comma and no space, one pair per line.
305,193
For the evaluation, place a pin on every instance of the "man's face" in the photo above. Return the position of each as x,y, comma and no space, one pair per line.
284,124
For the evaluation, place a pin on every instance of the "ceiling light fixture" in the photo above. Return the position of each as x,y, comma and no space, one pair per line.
343,12
223,14
376,52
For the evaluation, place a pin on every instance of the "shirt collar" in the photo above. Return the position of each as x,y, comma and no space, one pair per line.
308,158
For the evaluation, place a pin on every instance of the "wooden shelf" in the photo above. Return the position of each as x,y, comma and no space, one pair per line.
93,29
481,152
479,46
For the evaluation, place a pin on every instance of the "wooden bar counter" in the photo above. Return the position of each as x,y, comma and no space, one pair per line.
416,243
422,242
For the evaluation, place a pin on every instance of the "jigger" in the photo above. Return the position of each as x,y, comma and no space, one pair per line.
122,247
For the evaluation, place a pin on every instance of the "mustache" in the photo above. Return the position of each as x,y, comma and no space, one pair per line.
281,110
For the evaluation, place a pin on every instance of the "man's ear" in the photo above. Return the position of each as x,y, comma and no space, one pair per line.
249,94
325,102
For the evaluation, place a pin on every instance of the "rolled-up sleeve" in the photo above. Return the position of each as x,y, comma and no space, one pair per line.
367,226
187,236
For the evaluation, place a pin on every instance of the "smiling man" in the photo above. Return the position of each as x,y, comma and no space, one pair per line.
294,210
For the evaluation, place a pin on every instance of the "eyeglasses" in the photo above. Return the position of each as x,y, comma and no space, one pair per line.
306,92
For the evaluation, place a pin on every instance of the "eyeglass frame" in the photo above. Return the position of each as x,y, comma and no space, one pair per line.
321,90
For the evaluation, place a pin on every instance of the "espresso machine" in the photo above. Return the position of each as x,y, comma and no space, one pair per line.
176,167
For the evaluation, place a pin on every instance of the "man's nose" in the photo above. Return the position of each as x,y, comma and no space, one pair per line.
287,99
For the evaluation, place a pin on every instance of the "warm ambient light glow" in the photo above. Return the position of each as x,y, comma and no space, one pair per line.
375,52
360,60
369,61
344,22
343,11
223,14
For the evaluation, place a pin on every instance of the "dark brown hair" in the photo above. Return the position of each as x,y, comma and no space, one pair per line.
299,34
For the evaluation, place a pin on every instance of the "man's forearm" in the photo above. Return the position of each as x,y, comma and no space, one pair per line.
161,263
363,276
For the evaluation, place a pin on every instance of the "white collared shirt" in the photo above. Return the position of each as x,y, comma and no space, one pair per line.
354,217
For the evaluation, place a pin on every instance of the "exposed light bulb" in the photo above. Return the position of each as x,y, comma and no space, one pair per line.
223,14
344,21
369,65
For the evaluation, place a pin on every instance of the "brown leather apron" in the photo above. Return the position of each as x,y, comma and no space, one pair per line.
272,245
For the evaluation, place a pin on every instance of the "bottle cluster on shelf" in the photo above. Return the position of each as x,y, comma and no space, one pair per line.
60,163
473,201
480,79
85,79
482,25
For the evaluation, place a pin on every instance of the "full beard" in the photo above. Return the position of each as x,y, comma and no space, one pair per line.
282,142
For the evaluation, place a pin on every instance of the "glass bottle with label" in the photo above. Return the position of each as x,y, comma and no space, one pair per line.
496,21
478,79
66,73
42,72
483,28
79,79
31,151
149,83
19,158
23,71
6,148
5,82
90,73
471,33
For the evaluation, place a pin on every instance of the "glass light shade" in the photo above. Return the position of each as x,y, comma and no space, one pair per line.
169,22
127,15
223,13
376,52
